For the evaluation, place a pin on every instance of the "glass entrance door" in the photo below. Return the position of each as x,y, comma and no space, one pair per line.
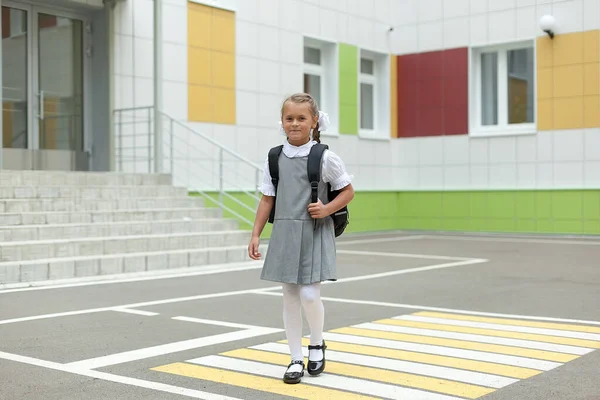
43,62
59,82
15,78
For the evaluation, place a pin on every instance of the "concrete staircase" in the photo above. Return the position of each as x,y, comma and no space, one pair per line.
58,225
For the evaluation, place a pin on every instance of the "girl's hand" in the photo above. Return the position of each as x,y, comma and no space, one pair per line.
318,210
253,248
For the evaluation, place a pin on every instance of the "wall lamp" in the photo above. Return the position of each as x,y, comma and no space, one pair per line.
547,24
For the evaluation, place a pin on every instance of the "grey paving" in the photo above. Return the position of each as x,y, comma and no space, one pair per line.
557,279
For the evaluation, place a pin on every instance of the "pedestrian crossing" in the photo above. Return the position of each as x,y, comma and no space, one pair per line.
421,356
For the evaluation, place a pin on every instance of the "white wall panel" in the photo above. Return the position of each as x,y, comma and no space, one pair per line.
269,65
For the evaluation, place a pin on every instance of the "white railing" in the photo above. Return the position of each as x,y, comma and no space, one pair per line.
194,159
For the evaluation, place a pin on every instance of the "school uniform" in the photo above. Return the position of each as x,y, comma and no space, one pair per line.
301,249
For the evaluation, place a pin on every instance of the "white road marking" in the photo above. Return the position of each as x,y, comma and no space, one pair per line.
441,309
380,240
239,292
405,255
129,277
157,274
406,271
475,378
513,240
136,305
527,344
444,351
219,323
195,394
499,327
370,388
136,312
149,352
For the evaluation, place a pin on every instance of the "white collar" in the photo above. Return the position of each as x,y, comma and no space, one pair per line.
297,151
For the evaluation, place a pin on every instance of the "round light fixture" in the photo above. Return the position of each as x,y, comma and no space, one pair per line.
547,24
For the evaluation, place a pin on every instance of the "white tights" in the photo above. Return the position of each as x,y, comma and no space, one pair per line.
296,297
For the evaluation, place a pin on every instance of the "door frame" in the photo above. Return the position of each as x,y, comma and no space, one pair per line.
33,8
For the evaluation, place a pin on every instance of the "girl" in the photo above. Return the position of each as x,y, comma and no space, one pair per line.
301,251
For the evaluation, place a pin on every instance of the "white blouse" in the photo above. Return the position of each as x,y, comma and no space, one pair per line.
334,170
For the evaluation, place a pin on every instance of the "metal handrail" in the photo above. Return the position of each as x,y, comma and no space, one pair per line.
141,119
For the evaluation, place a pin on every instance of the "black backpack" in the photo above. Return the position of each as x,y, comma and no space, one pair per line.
340,217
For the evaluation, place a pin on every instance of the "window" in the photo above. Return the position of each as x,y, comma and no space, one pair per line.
367,94
503,90
313,72
320,78
374,95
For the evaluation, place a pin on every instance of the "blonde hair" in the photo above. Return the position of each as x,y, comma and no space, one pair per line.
314,109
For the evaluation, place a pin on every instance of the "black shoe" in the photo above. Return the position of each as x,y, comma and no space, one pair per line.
294,377
316,367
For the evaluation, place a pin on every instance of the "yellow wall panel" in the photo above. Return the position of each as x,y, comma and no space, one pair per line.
200,103
545,83
545,115
568,49
224,33
211,64
568,113
224,106
394,96
200,65
591,111
568,80
199,25
591,46
545,52
223,70
591,79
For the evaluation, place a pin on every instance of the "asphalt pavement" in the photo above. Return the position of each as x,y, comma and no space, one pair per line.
435,317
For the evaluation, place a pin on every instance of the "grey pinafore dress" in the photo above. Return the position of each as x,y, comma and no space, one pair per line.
301,249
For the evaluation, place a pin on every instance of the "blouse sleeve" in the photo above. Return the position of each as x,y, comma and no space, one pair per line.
334,171
267,187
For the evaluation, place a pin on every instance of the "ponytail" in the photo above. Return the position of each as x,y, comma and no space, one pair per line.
316,135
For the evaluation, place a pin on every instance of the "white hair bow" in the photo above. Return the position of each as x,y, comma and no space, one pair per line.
323,123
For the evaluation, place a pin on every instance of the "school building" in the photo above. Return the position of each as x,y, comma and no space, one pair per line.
452,115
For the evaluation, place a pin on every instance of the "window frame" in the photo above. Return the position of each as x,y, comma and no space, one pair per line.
503,128
316,70
328,73
369,79
380,80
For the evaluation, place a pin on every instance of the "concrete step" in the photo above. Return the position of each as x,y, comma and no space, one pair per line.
90,192
76,217
111,229
78,204
97,246
72,267
67,178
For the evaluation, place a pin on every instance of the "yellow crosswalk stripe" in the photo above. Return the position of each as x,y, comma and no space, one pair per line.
462,344
260,383
445,361
490,332
374,374
517,322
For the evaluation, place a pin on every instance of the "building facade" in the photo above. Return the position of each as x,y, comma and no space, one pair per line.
451,114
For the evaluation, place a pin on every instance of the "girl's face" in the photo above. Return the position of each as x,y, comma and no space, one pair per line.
297,121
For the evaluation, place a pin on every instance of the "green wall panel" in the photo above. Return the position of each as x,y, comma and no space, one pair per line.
591,204
527,211
348,88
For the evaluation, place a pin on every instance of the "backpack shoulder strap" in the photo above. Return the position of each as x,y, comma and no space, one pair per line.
274,172
274,164
315,157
